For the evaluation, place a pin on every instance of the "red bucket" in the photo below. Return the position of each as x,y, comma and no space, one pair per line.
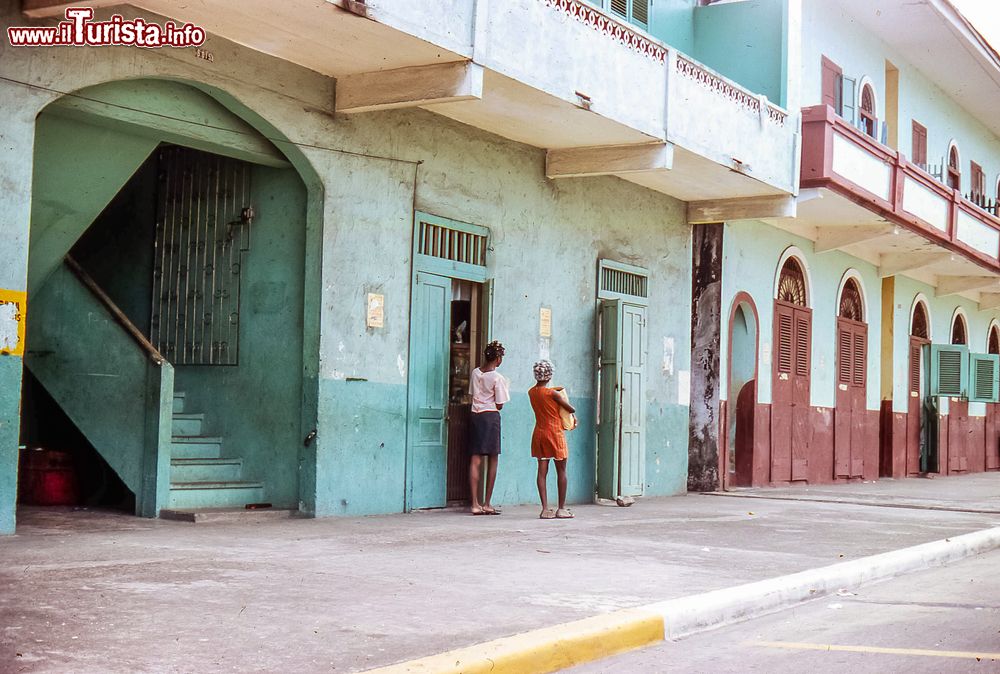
49,478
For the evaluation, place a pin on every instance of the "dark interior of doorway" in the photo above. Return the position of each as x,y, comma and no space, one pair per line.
44,426
465,331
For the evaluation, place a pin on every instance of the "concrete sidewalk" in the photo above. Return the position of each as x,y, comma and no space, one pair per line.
98,592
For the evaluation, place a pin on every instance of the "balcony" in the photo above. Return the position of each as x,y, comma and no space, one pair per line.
599,95
869,200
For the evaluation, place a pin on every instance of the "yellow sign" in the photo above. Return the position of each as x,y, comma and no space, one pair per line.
13,305
376,311
545,322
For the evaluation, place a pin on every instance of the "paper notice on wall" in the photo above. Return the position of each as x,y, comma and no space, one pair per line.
376,311
683,387
544,348
668,356
12,321
545,322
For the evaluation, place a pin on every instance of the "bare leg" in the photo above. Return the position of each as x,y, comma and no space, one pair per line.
474,484
543,474
561,479
491,478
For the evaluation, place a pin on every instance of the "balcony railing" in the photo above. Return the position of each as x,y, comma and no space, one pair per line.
840,157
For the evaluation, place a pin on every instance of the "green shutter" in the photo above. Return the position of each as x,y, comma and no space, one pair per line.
984,376
949,369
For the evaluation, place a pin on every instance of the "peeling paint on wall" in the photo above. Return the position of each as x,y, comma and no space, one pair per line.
668,357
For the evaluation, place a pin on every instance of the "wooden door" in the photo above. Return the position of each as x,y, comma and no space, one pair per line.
430,318
621,434
850,415
959,433
790,423
915,409
633,394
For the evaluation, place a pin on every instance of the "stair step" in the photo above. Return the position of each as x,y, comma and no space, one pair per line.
186,425
185,495
178,402
204,469
235,515
195,447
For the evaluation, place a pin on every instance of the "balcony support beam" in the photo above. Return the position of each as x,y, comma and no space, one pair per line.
747,208
577,162
835,238
989,301
952,285
410,87
891,264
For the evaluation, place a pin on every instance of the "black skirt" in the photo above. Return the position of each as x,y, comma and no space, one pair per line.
484,433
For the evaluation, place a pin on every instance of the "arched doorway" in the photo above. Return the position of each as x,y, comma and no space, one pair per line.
738,451
992,461
954,168
850,421
959,329
916,416
869,119
791,374
201,323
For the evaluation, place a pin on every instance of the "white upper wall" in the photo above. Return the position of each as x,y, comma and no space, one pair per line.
827,30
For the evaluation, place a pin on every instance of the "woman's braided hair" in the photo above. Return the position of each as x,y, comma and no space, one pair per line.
493,351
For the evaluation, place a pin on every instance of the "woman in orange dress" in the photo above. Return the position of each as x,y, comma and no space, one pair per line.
549,440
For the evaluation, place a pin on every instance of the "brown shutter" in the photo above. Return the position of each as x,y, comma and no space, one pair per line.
978,180
914,368
831,78
844,358
802,325
860,356
784,339
919,144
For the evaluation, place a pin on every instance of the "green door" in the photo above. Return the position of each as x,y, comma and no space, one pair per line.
631,474
427,446
621,439
609,414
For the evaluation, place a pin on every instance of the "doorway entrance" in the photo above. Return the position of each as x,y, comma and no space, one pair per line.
449,326
917,445
791,377
738,459
850,420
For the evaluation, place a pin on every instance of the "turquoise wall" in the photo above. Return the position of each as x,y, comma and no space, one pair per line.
10,404
256,406
673,22
747,42
546,238
752,251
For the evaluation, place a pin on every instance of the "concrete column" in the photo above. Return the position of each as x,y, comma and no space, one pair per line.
706,317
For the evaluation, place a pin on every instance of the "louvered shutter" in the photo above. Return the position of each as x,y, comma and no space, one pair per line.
985,377
949,369
831,84
845,360
914,368
620,7
802,325
919,144
860,357
848,103
785,339
640,12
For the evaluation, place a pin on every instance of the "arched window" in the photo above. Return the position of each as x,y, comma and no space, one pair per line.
792,283
869,123
919,325
954,172
993,343
959,331
851,304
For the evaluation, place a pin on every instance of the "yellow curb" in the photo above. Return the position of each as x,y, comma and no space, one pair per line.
544,650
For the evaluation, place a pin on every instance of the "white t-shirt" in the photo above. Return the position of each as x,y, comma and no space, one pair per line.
489,389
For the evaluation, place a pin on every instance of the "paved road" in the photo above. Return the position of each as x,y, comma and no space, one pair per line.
933,622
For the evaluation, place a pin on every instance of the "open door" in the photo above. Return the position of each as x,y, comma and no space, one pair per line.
621,452
430,320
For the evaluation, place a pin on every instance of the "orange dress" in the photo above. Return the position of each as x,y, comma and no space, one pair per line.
548,441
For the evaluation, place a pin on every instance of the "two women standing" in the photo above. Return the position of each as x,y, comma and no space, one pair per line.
490,391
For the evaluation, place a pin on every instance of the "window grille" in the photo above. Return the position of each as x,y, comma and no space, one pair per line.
621,281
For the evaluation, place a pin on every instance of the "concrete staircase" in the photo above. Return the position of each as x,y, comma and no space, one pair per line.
199,476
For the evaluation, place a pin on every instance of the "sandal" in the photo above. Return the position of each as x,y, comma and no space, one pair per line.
564,514
477,512
547,514
490,510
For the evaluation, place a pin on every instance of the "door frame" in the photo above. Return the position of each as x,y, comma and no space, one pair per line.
742,300
421,263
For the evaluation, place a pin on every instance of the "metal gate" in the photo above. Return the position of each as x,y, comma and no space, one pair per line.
202,232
